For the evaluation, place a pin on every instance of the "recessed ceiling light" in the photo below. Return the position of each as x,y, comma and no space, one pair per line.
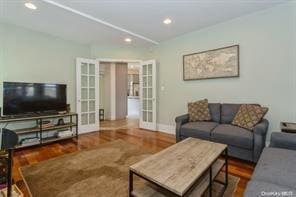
127,40
31,6
167,21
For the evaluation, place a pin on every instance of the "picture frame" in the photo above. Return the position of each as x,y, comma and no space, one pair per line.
211,64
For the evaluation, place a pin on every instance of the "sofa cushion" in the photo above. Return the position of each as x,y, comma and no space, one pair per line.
200,130
228,112
249,115
199,111
233,136
261,188
215,111
276,166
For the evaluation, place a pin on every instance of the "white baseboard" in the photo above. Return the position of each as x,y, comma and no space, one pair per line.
170,129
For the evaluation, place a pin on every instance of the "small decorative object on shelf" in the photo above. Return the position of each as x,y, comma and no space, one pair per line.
29,141
45,124
64,133
288,127
61,122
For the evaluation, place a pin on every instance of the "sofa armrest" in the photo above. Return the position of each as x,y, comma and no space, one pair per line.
261,128
260,131
180,120
283,140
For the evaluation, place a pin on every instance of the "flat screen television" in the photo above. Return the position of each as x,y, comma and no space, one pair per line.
31,98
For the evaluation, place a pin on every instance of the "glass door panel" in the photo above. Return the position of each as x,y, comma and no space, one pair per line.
84,81
92,81
84,119
92,118
92,69
84,93
92,106
84,106
92,93
84,68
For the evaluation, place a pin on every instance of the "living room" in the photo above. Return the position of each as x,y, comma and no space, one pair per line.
50,42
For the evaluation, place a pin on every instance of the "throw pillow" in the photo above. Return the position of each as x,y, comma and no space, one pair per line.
249,115
199,111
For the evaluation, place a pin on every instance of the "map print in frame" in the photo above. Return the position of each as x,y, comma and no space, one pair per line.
217,63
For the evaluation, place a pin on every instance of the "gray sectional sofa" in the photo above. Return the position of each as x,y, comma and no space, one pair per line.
242,143
275,172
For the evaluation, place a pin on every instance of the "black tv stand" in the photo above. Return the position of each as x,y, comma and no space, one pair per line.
71,124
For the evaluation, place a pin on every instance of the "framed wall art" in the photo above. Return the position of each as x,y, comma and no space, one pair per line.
216,63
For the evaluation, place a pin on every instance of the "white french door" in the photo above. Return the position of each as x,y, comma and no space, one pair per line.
148,95
87,94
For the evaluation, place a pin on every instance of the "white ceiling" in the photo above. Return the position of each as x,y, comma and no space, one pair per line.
142,17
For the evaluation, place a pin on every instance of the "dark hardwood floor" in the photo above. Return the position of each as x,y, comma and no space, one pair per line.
151,140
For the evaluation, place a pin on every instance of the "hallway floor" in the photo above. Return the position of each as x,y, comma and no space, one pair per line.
127,123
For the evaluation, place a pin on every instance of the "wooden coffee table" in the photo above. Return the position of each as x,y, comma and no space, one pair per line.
188,167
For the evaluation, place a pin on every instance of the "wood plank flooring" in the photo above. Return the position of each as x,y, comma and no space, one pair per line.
148,139
128,123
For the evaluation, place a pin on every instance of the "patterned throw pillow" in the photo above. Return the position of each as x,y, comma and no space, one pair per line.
249,115
199,111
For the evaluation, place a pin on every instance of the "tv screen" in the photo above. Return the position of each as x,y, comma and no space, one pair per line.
25,98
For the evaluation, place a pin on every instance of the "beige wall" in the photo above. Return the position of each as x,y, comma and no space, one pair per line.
267,42
120,52
29,56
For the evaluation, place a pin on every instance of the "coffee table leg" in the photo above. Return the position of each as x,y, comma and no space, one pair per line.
226,167
130,180
210,183
9,172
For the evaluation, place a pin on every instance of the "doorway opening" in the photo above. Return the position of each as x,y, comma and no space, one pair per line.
119,88
133,96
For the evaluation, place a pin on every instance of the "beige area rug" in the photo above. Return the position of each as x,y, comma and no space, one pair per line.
101,172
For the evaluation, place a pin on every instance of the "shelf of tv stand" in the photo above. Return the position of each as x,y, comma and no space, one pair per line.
37,129
27,145
45,141
33,117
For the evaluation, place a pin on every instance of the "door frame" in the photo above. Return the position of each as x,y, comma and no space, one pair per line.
110,60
